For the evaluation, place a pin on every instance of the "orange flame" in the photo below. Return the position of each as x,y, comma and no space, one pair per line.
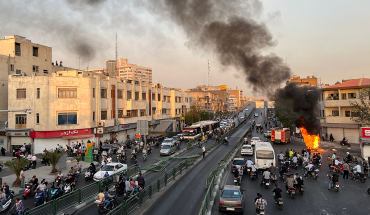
312,141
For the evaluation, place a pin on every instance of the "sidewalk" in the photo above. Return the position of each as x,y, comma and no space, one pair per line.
42,173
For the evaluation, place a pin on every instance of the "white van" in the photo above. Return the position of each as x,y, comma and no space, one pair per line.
264,155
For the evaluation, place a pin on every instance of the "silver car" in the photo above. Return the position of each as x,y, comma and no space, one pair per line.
231,199
167,149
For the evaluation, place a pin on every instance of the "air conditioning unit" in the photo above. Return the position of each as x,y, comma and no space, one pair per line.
101,124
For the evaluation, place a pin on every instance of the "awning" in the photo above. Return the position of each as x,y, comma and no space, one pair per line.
78,137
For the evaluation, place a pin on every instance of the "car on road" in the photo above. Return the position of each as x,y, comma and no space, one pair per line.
180,136
241,162
168,141
258,125
167,149
108,147
110,168
231,199
256,114
255,140
246,109
246,150
177,140
267,134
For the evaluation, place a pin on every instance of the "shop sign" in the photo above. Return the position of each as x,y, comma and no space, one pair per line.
65,133
127,126
17,134
365,132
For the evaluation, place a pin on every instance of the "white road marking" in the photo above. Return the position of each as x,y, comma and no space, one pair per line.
324,196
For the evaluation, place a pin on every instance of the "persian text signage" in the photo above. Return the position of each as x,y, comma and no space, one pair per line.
65,133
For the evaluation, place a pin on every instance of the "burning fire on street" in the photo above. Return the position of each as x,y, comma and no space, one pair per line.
312,141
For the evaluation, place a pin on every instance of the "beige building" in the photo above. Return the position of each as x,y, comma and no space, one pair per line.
336,110
238,95
133,71
207,100
309,81
71,106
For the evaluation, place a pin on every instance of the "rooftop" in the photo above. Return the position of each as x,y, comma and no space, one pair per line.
356,83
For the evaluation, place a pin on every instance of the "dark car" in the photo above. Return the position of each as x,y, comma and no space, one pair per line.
155,138
112,147
241,162
231,199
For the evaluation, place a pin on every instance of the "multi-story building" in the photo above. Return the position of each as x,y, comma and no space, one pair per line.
238,95
71,106
309,81
233,103
133,72
336,110
207,100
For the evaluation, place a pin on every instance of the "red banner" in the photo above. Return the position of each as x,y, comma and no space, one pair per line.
365,132
65,133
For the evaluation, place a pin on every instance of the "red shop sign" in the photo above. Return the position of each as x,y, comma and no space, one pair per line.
365,132
65,133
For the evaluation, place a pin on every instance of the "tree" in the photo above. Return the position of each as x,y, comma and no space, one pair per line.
54,155
16,167
196,114
361,108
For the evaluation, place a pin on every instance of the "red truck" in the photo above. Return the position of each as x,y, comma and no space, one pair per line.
280,135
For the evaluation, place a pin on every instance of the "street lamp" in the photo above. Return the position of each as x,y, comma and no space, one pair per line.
22,110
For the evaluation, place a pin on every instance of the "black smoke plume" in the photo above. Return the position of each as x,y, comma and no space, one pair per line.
227,29
303,100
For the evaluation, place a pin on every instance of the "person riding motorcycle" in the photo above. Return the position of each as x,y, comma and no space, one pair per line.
255,169
310,167
277,193
71,181
283,170
298,181
333,179
101,197
289,183
266,176
260,203
281,156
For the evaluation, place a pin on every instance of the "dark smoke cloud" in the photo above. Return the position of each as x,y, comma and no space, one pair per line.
227,29
303,101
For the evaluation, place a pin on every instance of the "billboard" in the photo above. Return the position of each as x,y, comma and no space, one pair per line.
365,132
223,87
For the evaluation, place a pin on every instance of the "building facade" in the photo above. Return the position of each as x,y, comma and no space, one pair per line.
71,106
133,71
206,100
309,81
336,111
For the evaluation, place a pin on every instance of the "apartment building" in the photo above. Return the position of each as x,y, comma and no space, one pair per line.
134,72
238,95
71,106
207,100
336,110
309,81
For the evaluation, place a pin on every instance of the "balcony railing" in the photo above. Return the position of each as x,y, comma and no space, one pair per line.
332,98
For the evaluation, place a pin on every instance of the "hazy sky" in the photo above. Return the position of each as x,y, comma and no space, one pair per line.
327,38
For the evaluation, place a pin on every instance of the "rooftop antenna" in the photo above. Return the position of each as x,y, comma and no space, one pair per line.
116,56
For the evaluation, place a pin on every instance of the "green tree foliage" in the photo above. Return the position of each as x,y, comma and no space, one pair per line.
54,156
196,114
16,167
362,108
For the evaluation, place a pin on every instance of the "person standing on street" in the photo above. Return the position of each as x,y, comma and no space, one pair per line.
140,181
2,151
21,176
345,170
204,151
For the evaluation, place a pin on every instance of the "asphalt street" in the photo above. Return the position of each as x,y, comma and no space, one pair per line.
153,176
185,196
352,197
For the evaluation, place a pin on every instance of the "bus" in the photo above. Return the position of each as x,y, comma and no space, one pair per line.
195,130
264,155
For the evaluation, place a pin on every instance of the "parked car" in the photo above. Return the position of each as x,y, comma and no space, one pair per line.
241,162
110,168
254,140
231,199
246,150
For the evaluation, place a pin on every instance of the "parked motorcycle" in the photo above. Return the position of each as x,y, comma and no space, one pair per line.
8,201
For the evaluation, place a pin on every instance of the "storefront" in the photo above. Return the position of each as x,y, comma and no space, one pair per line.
18,139
50,139
124,130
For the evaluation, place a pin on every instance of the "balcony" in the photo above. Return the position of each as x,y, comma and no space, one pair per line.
338,119
135,105
339,103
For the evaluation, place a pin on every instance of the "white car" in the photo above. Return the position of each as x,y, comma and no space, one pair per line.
168,141
267,134
246,109
255,140
247,150
256,114
110,168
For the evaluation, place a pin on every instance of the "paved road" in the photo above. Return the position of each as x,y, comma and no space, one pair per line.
186,195
351,199
152,176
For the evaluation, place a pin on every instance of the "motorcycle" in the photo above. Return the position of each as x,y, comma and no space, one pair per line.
357,176
279,202
27,191
144,156
291,192
295,165
273,177
253,175
68,188
113,202
88,175
40,197
54,192
335,185
226,142
8,202
238,180
261,212
149,150
266,182
345,143
314,174
118,189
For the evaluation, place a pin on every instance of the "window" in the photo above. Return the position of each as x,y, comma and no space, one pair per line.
129,113
11,67
45,71
104,115
18,71
175,111
142,112
21,119
344,96
38,93
351,95
17,49
120,94
335,113
35,68
67,118
159,97
21,93
153,96
136,96
347,113
37,118
35,51
103,93
263,154
143,96
128,95
164,98
134,113
163,110
93,116
153,110
120,113
323,113
93,92
67,93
